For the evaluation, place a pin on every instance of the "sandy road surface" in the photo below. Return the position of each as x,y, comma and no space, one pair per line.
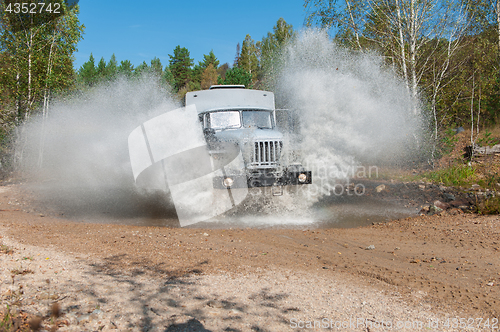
422,269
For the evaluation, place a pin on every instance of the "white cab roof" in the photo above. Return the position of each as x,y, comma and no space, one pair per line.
230,98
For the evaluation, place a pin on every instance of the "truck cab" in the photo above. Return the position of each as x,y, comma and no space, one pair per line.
238,120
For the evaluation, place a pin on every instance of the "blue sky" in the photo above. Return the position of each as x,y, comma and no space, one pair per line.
140,30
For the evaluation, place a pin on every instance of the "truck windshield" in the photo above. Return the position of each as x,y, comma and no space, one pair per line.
223,120
259,119
231,119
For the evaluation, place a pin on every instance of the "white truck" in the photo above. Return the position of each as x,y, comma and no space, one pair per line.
235,120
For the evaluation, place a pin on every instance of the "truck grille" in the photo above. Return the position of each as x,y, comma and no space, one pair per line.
266,154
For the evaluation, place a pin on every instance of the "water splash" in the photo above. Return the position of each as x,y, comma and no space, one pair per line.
84,168
353,110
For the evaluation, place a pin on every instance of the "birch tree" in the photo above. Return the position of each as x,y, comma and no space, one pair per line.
487,13
400,29
447,52
249,59
39,49
36,45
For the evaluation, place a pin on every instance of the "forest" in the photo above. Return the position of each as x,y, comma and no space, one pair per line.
446,53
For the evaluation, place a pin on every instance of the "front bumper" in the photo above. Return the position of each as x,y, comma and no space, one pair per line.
264,179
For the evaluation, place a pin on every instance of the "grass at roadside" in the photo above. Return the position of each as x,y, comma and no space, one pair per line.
465,176
459,175
488,206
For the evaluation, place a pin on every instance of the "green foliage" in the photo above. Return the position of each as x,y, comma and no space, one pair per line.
167,77
126,68
142,68
101,69
156,67
481,15
193,86
112,68
237,76
486,139
461,175
36,55
322,12
473,81
38,49
198,71
87,73
248,58
6,323
492,98
448,141
455,70
209,59
271,48
180,67
490,205
195,74
489,180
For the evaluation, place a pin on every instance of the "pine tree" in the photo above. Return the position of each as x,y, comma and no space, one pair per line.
198,70
101,70
237,76
209,59
142,68
156,67
126,68
112,68
237,56
88,72
195,75
180,67
167,77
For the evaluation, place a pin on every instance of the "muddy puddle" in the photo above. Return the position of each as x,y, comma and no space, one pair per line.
126,206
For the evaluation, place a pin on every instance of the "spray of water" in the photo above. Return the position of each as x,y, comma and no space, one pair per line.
355,115
78,155
351,111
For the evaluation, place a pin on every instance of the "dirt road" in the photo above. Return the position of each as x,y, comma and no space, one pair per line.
425,267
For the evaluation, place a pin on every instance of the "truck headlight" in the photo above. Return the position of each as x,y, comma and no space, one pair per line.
302,177
228,182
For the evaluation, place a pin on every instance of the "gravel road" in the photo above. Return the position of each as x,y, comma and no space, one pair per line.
401,275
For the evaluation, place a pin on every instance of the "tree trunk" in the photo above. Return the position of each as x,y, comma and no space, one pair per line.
18,106
477,150
402,45
354,27
413,52
30,48
46,100
472,111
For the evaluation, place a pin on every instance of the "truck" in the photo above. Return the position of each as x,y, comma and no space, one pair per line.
238,120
